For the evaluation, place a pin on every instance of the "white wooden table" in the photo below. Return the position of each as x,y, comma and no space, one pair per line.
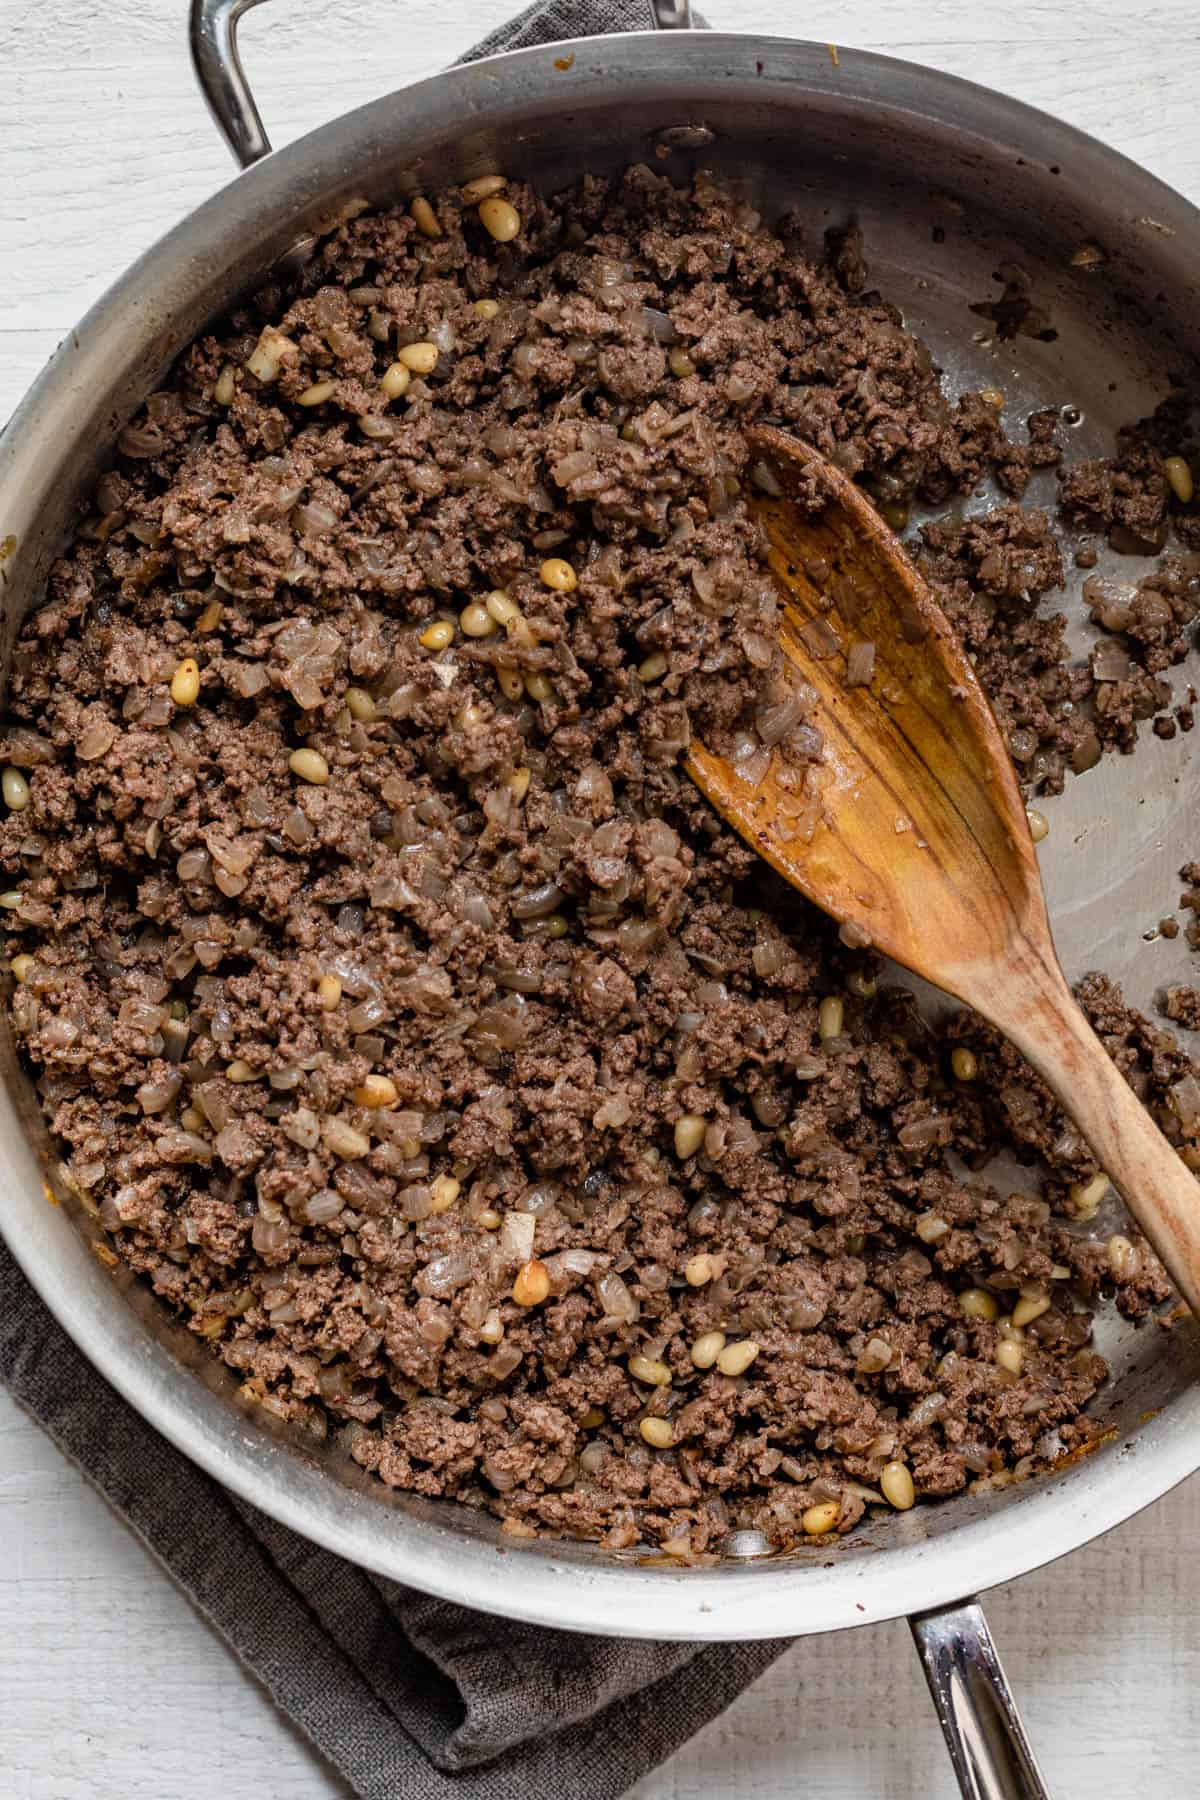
111,1687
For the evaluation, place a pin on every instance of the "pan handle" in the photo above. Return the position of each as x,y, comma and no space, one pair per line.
984,1734
212,34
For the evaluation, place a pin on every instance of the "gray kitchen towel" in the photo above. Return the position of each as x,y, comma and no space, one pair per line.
408,1697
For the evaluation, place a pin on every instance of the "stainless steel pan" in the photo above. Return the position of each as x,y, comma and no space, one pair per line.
948,181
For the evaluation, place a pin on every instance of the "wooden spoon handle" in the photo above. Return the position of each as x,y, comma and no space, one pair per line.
1052,1033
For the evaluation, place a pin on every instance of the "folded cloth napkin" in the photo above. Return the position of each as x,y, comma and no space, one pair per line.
408,1697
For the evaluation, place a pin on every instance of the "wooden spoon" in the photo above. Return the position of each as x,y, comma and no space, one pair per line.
917,836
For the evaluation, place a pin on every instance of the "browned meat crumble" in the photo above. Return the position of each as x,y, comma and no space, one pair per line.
403,1013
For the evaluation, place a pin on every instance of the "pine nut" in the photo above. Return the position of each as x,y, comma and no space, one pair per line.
658,1433
377,1091
438,636
1030,1307
501,608
896,1483
422,359
707,1348
559,575
1085,1196
185,683
532,1285
445,1191
735,1359
689,1134
1179,475
477,621
424,217
499,219
816,1520
977,1303
650,1370
15,789
310,766
396,378
317,394
361,705
831,1017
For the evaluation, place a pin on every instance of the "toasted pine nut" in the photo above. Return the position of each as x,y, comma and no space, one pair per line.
559,575
499,219
532,1285
15,788
707,1348
422,359
310,766
896,1483
185,684
658,1433
689,1134
816,1520
424,217
735,1359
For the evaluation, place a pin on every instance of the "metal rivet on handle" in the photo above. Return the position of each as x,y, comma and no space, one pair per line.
748,1543
297,256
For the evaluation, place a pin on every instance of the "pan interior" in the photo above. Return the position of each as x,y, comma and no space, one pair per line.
942,206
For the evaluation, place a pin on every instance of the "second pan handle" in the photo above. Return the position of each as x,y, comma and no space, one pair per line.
984,1734
212,35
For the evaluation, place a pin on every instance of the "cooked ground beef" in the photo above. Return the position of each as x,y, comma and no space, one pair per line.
1060,716
1183,1005
405,1016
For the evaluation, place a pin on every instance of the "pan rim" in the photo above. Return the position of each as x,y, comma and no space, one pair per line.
1057,1514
